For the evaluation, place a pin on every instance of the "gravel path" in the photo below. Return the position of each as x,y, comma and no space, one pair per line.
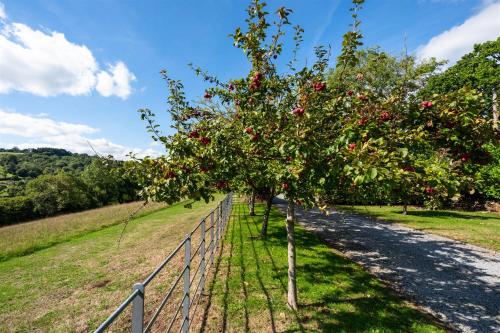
458,282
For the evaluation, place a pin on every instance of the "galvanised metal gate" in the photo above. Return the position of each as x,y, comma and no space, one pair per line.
217,219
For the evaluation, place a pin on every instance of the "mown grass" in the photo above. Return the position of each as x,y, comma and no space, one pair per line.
335,295
25,238
478,228
72,286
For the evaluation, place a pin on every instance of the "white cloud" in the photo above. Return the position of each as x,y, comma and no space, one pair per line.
3,15
47,64
42,131
116,81
452,44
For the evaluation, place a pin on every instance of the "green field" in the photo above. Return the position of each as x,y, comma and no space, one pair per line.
25,238
75,283
478,228
335,295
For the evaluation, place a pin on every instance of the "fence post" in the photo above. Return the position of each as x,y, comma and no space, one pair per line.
185,303
212,240
138,309
217,223
202,254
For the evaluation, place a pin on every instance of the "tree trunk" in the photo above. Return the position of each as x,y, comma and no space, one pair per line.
495,110
269,204
405,209
251,204
292,284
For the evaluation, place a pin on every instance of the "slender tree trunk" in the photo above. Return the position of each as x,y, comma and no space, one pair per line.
251,204
265,222
405,209
495,110
292,269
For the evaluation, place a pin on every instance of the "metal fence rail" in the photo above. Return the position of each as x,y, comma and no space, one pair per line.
217,219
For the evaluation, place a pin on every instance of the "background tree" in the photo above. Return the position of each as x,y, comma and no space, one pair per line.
107,182
57,193
480,70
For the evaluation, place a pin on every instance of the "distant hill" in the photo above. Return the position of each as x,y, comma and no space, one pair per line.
17,166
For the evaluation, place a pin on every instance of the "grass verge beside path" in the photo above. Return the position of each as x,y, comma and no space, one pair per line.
73,286
25,238
335,295
478,228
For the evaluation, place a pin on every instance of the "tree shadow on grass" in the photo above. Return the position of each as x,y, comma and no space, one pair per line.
448,277
335,295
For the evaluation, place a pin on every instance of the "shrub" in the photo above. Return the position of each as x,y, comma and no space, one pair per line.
16,209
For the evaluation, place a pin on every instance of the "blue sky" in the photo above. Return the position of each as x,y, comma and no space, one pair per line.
77,71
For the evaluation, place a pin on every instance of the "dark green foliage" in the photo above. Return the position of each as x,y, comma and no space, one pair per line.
47,181
58,193
31,163
16,209
489,174
107,183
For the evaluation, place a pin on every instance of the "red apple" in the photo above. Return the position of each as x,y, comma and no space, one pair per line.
207,95
362,121
194,134
204,140
430,190
350,92
285,186
170,174
249,130
352,146
298,111
426,104
384,116
319,86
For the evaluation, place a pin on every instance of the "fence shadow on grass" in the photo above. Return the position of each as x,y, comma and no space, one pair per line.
334,294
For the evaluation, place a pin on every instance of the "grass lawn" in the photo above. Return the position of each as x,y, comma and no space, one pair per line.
74,284
25,238
479,228
335,295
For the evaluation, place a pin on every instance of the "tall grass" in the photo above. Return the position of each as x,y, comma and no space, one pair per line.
25,238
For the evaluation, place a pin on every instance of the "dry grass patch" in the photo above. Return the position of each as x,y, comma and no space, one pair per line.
25,238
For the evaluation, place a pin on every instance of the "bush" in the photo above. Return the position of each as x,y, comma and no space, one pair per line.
16,209
489,175
52,194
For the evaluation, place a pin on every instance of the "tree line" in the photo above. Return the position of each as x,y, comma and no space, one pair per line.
46,181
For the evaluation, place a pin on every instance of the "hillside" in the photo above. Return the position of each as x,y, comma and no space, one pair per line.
43,182
18,166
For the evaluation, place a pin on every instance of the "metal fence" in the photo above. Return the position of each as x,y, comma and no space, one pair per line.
217,220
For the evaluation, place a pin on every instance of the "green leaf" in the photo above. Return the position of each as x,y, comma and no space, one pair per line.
359,180
372,172
403,151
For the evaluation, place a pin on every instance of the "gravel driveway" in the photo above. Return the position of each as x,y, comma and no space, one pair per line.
459,283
